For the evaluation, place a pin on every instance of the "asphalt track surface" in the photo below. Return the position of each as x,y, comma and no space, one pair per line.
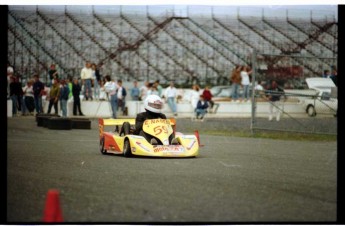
232,180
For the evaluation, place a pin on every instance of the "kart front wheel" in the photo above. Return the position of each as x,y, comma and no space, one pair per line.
101,146
127,149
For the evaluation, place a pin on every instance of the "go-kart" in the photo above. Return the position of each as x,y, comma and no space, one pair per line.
124,142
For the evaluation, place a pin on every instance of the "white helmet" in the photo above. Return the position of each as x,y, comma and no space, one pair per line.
153,103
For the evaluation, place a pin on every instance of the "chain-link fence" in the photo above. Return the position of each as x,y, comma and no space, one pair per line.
302,102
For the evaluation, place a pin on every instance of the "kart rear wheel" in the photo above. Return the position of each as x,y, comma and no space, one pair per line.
127,149
101,146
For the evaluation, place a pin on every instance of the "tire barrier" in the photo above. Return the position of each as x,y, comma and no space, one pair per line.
42,119
58,123
81,123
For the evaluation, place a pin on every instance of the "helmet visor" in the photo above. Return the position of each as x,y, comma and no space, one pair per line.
157,104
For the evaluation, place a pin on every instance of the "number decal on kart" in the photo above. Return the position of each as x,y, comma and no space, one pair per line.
159,129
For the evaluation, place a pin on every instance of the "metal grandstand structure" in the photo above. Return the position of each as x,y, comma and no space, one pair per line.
158,42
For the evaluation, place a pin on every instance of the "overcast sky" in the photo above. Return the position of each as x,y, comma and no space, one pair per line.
270,6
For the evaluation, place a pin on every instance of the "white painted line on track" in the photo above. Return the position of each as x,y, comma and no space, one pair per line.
229,165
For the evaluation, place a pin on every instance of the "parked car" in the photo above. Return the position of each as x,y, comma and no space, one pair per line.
325,100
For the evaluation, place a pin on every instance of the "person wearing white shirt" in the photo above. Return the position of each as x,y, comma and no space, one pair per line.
259,90
86,76
143,91
245,81
28,102
170,94
110,88
259,86
195,96
102,93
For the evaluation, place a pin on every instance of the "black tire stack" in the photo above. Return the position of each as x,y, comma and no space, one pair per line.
55,122
81,123
43,119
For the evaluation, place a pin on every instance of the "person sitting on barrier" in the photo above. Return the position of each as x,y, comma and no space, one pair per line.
201,108
153,105
208,97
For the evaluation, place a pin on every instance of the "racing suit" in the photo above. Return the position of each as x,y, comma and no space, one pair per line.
139,121
141,117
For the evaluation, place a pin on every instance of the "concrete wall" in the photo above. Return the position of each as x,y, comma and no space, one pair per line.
98,109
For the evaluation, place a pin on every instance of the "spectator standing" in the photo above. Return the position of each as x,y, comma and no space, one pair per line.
96,79
235,79
135,92
273,95
10,72
153,90
326,74
53,73
76,97
28,104
171,94
102,93
201,108
159,87
86,77
334,76
54,96
38,88
110,88
64,93
16,95
143,91
121,96
70,85
195,96
245,81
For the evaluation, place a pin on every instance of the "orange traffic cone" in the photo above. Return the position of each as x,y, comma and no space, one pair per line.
52,211
197,137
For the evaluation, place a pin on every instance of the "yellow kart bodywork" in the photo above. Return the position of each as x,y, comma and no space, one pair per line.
161,129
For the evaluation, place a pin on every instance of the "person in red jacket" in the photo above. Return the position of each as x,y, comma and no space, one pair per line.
208,97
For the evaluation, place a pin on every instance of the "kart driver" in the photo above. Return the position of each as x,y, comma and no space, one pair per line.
153,105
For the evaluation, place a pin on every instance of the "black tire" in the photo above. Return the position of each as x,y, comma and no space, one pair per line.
127,149
81,123
59,123
126,128
311,111
45,121
101,146
41,119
